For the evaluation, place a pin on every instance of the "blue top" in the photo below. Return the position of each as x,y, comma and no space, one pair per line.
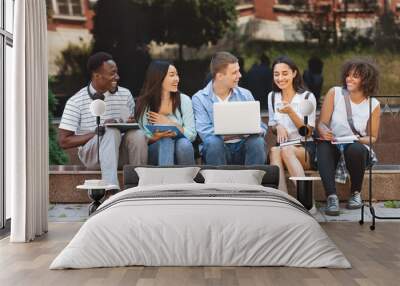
186,119
203,102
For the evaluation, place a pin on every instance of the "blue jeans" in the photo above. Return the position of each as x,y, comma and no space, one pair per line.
249,151
170,151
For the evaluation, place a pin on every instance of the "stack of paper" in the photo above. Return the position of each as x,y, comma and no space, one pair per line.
345,139
290,142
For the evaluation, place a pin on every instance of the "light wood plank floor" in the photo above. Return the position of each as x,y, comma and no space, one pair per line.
375,257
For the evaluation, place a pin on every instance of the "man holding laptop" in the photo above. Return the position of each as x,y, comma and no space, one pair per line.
227,117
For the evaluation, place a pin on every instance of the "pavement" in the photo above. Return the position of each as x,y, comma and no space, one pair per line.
79,212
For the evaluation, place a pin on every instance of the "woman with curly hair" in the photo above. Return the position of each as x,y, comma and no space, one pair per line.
345,112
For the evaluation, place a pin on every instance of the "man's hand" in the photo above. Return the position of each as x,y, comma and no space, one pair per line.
110,120
232,137
131,119
101,130
68,139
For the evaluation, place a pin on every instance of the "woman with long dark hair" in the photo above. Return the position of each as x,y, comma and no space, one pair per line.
285,119
345,112
161,103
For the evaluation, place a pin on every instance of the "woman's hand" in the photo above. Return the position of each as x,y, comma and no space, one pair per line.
164,134
325,132
365,139
281,134
156,118
285,108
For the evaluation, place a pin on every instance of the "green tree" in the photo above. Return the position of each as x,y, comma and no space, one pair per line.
57,155
72,74
123,28
323,20
387,32
194,23
319,23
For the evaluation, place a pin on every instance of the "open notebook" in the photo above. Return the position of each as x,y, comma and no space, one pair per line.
345,139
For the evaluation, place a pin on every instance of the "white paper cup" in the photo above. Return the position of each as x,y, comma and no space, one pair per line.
95,183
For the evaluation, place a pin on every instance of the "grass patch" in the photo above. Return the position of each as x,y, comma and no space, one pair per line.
392,204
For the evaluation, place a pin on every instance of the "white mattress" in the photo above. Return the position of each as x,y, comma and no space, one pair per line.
267,229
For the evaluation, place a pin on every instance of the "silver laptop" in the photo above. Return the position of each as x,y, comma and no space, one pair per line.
237,117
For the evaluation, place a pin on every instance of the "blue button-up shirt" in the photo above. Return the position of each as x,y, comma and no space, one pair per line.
203,102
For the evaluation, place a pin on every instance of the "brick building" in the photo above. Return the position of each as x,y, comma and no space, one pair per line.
278,19
69,21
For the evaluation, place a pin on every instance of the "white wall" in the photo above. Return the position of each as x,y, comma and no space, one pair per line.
60,39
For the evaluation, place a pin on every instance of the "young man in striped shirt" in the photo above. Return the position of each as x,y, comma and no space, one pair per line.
78,125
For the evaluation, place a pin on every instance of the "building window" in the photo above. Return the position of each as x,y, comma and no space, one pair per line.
292,2
244,2
67,7
360,5
6,64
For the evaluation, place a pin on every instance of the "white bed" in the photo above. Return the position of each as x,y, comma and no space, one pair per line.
201,224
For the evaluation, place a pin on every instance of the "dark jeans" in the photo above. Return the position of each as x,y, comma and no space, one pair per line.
328,155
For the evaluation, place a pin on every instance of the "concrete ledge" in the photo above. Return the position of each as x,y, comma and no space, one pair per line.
64,179
385,185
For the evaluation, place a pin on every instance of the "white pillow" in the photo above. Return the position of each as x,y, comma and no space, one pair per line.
248,177
166,176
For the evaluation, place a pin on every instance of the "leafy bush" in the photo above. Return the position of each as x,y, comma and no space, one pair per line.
392,204
72,75
57,156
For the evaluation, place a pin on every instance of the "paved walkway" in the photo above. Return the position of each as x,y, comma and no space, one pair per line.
79,212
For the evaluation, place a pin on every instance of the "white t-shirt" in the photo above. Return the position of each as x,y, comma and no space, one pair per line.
283,119
360,112
78,118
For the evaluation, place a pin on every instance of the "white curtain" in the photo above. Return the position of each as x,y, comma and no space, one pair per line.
27,123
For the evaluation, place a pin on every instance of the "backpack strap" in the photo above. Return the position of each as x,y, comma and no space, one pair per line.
273,101
346,96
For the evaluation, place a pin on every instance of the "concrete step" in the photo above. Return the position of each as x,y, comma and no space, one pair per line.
385,185
64,179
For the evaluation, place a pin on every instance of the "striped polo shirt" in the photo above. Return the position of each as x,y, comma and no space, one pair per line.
78,118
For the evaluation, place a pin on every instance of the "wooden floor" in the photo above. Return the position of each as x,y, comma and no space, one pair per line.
375,257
